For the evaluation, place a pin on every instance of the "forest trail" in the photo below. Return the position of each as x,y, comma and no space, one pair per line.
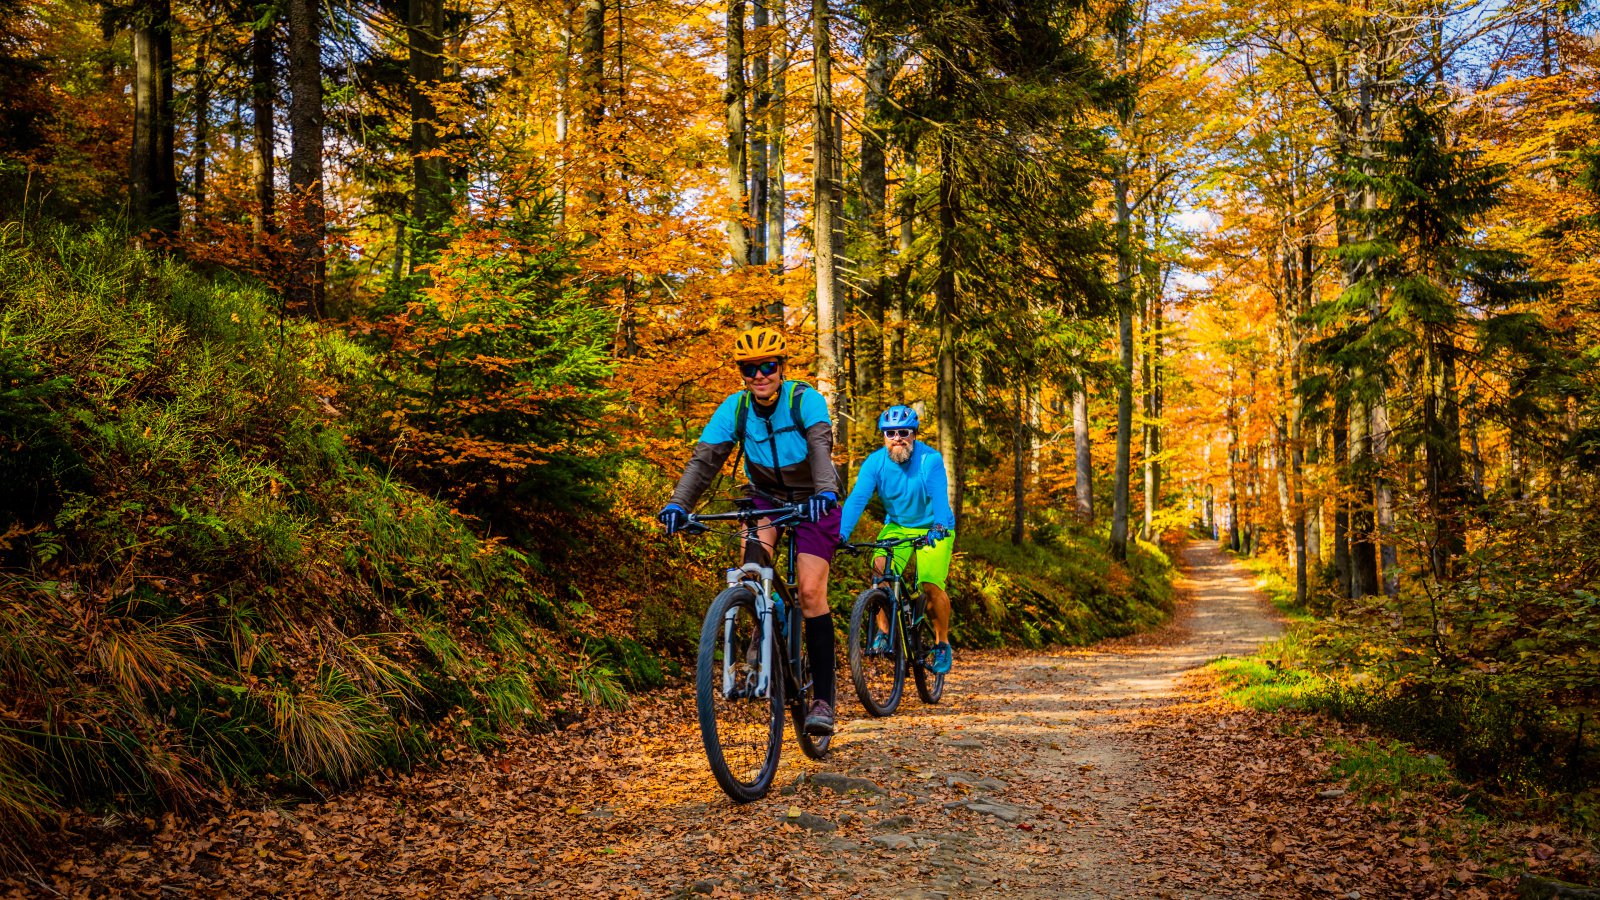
1070,774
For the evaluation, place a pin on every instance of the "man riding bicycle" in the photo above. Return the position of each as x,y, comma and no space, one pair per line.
786,436
910,477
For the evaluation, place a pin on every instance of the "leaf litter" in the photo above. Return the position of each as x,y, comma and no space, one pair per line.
1127,777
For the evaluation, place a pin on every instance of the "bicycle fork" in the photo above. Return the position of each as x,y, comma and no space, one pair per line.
759,579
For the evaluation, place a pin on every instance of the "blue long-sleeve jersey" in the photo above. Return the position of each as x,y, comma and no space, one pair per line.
914,492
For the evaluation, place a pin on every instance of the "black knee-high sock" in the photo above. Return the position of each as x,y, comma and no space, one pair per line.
819,646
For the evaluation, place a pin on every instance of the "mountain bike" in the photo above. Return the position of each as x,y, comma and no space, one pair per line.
753,657
879,668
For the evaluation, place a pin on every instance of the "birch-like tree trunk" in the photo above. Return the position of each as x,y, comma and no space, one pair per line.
822,202
1083,454
1339,445
1233,475
564,106
1122,469
777,193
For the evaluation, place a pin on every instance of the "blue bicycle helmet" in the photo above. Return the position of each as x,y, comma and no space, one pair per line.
899,417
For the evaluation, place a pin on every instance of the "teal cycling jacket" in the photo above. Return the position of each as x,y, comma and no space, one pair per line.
914,492
778,458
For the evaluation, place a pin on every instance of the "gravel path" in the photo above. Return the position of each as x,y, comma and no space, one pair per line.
1057,730
1031,780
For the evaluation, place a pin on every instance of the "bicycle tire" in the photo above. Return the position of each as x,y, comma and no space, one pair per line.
742,765
930,684
813,746
879,697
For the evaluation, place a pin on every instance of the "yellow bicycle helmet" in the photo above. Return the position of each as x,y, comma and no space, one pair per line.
758,343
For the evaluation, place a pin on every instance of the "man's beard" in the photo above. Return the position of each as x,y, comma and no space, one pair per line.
900,452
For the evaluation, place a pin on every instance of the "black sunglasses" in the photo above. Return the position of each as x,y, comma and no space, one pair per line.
751,370
899,432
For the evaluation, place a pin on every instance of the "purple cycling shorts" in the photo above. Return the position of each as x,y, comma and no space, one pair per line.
817,539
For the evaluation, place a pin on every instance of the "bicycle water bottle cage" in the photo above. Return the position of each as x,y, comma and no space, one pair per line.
750,572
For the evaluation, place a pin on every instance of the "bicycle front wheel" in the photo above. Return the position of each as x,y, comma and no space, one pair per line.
739,695
877,665
930,684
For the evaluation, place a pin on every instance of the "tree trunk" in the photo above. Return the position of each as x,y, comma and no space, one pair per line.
1363,552
902,298
874,204
1035,443
564,108
1124,451
1383,499
155,176
822,202
1341,511
202,120
1233,478
1444,472
305,153
430,172
760,100
1472,432
777,194
1152,403
593,71
263,94
944,300
1082,457
738,171
1019,466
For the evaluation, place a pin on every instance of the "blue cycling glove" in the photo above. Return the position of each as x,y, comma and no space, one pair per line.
674,517
820,505
937,534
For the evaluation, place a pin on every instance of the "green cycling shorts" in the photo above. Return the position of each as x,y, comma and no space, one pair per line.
933,563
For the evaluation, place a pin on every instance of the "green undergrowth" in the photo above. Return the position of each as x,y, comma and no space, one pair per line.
1506,735
1272,678
1386,771
1060,589
204,589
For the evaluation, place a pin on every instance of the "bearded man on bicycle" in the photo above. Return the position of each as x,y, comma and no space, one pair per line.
786,436
910,477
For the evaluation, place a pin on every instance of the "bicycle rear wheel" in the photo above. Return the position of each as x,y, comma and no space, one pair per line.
930,684
739,698
879,675
813,746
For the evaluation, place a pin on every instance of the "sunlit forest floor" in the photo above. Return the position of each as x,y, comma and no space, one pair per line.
1114,771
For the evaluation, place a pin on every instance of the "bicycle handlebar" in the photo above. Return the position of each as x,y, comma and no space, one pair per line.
889,544
782,515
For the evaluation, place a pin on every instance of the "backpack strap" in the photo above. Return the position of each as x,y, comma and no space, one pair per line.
794,407
741,415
